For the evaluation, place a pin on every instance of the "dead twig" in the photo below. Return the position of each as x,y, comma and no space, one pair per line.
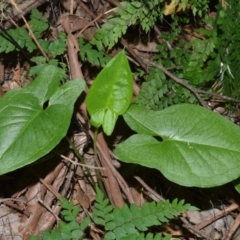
233,228
193,229
154,195
79,164
103,148
224,212
48,208
218,96
50,188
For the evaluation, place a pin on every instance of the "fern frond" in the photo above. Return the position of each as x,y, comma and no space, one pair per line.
149,236
21,35
203,48
56,47
38,23
110,32
93,56
158,92
146,13
122,222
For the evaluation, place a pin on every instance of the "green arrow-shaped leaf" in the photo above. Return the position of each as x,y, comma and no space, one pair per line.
198,147
29,129
111,93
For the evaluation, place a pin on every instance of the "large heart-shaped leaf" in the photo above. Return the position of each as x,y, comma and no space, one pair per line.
34,119
111,93
198,147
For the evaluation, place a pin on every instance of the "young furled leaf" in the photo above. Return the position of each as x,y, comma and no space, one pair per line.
111,93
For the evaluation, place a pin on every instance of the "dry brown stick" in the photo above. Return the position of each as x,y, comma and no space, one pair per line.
79,164
233,228
192,228
73,50
71,6
50,188
107,178
11,199
218,96
49,209
103,148
224,212
134,55
17,207
68,180
157,197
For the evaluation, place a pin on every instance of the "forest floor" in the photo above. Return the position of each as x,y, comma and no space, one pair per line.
28,193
